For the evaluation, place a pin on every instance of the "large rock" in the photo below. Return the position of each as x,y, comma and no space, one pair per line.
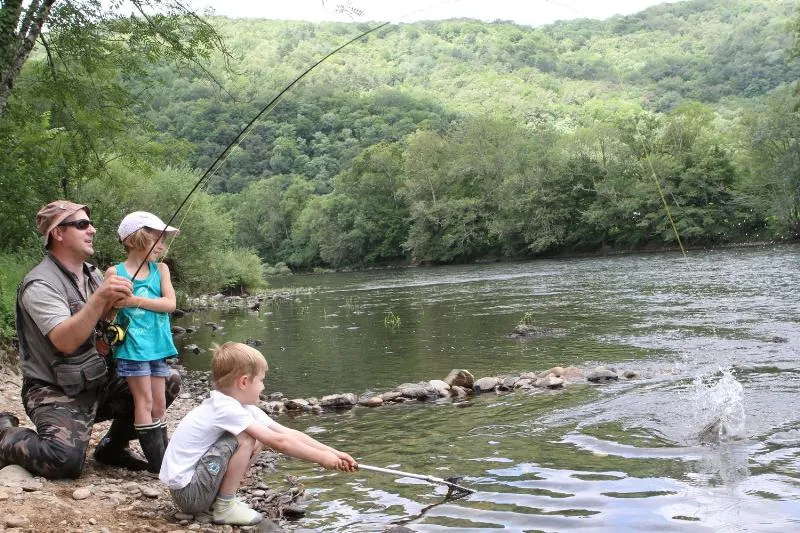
507,383
339,401
460,378
572,373
441,387
459,392
374,401
391,396
15,476
601,375
421,391
557,371
486,384
273,407
523,383
551,381
298,404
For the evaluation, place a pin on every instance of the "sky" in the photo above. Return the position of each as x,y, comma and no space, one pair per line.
529,12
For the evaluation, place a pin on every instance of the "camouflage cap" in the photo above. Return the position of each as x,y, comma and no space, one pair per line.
54,214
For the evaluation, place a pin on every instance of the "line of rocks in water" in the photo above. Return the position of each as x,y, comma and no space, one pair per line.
459,385
252,302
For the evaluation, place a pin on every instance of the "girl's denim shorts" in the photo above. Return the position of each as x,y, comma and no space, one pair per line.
127,368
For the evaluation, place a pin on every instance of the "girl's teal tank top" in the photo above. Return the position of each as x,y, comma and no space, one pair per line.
148,335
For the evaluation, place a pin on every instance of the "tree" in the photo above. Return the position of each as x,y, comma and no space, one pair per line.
82,34
775,138
67,71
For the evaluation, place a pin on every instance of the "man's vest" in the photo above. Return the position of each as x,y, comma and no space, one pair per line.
37,354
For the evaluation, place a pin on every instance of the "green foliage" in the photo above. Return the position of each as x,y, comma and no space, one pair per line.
202,257
432,142
237,271
265,213
775,163
12,269
279,269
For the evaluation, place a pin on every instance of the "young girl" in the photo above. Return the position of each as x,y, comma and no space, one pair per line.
148,337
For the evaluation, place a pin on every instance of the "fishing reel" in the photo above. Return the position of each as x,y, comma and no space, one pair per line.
112,334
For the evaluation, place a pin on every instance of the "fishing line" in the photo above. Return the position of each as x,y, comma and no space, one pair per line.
347,8
241,135
115,333
645,148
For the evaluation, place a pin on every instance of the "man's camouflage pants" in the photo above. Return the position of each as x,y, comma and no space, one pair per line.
57,449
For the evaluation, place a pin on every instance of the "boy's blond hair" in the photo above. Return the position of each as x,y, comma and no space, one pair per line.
141,239
233,360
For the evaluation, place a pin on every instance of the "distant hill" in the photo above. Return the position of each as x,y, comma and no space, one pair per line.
426,74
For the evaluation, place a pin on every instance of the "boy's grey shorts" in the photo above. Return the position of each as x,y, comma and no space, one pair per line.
200,493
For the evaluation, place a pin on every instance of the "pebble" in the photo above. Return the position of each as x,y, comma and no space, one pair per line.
183,516
81,493
150,492
32,486
16,521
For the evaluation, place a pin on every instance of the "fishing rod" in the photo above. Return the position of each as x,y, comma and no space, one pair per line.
113,333
265,110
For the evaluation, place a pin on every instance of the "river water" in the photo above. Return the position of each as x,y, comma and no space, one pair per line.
714,335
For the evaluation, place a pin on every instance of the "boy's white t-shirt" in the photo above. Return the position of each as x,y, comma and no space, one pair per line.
200,429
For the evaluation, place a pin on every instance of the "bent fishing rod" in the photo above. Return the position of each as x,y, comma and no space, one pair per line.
264,111
113,333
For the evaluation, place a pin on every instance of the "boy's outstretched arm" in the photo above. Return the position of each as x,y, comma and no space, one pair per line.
296,444
349,463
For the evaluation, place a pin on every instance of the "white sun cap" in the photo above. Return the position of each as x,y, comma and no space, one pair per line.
137,220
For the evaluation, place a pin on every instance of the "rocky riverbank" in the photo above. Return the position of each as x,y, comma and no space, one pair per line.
106,500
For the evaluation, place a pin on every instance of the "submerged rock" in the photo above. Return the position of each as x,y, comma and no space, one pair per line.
528,331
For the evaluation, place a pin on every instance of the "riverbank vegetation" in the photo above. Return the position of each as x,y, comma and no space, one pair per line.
427,143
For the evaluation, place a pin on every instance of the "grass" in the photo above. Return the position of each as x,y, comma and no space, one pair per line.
391,320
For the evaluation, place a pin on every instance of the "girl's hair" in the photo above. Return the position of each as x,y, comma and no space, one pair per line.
141,239
233,360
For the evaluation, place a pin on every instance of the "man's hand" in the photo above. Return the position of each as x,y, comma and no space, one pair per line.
74,331
114,290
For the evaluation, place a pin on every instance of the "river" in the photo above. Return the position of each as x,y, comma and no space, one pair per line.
714,337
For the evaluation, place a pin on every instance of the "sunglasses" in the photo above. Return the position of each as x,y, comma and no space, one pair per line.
77,224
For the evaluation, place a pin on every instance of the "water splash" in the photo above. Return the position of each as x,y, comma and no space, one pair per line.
719,409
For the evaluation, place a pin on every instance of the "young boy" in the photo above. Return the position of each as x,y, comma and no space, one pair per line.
214,445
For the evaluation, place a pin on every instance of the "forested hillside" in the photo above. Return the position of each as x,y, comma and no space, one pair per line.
458,140
429,142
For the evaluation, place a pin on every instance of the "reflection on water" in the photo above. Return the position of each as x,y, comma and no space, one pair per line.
707,440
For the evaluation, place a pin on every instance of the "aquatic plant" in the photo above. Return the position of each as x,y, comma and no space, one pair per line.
527,319
391,320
